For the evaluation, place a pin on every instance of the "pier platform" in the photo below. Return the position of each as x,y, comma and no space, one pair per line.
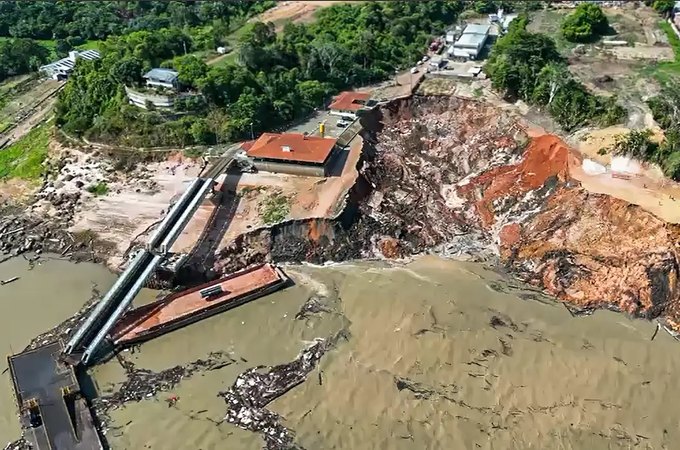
53,413
186,307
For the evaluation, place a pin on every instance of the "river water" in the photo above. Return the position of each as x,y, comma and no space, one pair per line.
441,354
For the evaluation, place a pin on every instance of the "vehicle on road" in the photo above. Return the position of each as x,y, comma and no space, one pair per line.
414,70
342,124
347,118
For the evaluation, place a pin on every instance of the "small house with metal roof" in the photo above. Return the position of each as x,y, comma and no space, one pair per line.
60,70
165,78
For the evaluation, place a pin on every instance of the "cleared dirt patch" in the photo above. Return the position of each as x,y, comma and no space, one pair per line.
285,12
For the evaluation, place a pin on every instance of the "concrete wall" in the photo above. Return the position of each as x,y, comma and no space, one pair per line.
293,169
159,101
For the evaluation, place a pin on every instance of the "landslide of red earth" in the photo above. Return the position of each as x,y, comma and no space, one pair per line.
451,167
591,250
594,250
545,157
460,177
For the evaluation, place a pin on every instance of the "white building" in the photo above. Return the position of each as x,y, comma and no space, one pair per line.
470,44
503,20
60,70
166,78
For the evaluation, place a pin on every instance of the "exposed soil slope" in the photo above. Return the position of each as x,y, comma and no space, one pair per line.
462,178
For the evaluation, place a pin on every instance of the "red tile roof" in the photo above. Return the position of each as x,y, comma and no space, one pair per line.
350,101
310,149
247,145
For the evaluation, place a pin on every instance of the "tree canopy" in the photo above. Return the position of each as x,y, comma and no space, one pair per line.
528,66
585,24
18,56
666,111
279,77
100,19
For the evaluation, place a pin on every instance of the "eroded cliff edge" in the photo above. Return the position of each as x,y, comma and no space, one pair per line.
462,178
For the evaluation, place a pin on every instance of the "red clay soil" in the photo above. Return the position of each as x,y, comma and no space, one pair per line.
546,156
596,250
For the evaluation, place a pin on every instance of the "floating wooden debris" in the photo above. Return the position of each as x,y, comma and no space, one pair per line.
9,280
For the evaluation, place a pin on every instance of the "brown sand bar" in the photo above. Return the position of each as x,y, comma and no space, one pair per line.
186,307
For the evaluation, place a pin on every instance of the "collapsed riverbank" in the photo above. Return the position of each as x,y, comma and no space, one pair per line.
456,177
461,178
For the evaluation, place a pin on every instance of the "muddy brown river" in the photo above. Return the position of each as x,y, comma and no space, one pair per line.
441,354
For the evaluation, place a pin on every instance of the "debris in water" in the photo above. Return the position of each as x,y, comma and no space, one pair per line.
9,280
143,384
256,387
313,305
20,444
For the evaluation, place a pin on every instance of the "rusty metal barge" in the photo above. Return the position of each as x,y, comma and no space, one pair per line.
183,308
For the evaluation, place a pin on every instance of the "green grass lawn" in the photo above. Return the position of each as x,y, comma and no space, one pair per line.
668,71
24,158
229,58
89,45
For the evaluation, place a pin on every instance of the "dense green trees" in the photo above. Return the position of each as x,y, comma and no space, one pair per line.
666,110
279,77
663,6
585,24
527,66
18,56
99,19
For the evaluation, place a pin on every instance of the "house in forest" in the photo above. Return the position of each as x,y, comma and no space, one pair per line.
60,70
163,78
162,90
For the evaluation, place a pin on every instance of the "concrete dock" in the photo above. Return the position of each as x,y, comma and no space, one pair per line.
53,413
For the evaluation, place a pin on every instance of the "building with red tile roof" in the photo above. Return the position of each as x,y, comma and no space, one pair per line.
293,153
349,103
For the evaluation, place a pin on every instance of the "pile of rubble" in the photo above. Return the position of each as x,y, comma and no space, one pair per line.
20,233
19,444
76,176
255,388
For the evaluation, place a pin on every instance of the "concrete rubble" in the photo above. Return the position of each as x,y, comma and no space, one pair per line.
21,233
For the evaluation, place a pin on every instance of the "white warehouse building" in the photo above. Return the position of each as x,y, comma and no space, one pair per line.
60,70
470,44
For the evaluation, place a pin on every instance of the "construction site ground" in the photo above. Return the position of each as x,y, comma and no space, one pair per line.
306,197
298,12
134,202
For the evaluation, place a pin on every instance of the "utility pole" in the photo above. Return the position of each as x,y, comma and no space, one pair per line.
252,134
